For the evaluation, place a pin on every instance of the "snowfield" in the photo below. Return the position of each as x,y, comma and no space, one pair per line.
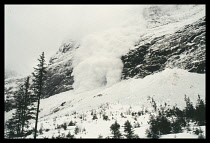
132,95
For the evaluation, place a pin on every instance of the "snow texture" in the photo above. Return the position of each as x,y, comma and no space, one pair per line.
168,86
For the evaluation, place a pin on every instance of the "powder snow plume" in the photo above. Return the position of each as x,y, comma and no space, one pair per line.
97,61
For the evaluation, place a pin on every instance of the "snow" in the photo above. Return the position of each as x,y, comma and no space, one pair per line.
168,86
131,95
180,135
96,73
104,49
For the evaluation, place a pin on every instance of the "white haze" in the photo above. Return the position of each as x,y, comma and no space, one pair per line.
97,62
31,29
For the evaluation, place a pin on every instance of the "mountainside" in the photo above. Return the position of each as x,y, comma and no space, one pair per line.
124,98
185,49
163,15
166,86
11,85
59,78
178,41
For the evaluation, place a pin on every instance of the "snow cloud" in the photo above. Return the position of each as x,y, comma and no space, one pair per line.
97,62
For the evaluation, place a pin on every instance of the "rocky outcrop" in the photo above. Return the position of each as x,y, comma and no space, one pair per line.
59,70
185,49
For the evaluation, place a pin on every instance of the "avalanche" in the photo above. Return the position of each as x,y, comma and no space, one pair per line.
100,52
97,62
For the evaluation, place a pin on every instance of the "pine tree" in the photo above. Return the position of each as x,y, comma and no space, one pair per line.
38,82
18,115
23,113
128,129
11,128
115,130
14,124
28,109
189,109
200,112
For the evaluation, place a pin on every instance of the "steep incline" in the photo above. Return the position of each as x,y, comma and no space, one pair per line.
185,49
168,86
59,70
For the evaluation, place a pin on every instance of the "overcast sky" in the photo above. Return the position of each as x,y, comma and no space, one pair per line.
31,29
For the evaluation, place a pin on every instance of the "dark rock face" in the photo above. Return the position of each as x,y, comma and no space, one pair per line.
185,49
58,78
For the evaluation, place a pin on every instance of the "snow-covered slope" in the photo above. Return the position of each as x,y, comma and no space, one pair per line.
168,86
178,15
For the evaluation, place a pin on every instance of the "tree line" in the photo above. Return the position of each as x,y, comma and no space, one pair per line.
174,120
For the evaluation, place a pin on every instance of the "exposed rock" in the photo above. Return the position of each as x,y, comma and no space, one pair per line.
185,49
59,71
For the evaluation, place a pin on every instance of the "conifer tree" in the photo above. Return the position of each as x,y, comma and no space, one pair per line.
128,129
189,109
38,82
11,128
115,130
28,109
200,112
23,113
18,115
